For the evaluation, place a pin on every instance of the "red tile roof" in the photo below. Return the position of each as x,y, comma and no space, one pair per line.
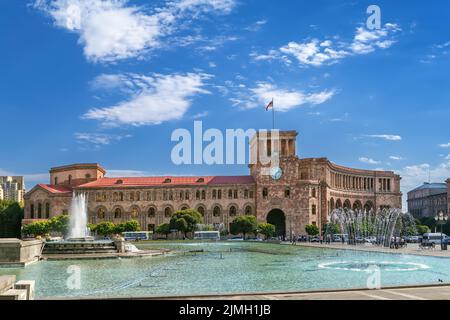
56,189
166,181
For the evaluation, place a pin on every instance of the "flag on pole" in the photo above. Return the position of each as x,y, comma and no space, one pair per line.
270,105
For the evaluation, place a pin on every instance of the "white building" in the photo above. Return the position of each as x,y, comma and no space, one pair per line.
12,188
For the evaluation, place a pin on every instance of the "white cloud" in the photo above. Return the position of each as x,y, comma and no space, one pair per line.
256,26
99,138
112,30
369,161
317,52
388,137
445,145
284,99
200,115
396,158
155,99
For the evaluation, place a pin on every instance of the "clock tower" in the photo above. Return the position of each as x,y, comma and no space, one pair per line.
280,197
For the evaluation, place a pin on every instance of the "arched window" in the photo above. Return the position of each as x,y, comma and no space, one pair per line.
131,196
287,193
70,179
230,194
118,214
56,181
101,213
313,209
47,210
39,211
134,212
151,212
138,196
248,211
313,192
32,211
203,195
233,211
120,196
168,212
197,195
216,212
265,193
184,208
214,194
219,194
201,210
347,204
235,193
245,194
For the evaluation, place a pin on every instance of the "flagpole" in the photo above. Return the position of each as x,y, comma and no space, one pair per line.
273,115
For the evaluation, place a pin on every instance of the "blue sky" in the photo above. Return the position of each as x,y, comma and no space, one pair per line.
108,82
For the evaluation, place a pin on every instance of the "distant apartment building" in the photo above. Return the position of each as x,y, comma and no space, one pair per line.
12,188
429,199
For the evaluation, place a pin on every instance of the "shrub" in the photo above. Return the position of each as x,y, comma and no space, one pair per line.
312,230
266,229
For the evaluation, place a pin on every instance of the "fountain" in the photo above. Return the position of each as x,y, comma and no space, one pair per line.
78,240
78,229
379,228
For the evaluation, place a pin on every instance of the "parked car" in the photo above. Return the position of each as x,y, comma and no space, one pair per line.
315,239
434,238
370,240
412,239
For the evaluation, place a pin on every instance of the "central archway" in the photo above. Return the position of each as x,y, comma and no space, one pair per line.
278,219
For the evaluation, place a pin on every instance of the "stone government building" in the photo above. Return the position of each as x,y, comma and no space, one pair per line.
303,192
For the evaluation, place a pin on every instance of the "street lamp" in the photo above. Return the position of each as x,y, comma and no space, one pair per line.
441,219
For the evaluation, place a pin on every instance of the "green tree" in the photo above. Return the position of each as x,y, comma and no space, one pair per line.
105,228
180,225
164,229
312,230
244,225
39,228
129,226
421,229
266,229
191,219
332,228
11,215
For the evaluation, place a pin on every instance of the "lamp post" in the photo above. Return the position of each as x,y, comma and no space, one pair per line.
441,219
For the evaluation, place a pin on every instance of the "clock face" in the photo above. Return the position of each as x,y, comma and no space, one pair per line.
276,173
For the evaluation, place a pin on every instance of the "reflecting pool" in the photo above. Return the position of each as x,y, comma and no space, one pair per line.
229,267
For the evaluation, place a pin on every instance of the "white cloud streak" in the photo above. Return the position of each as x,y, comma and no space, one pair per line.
155,99
370,161
388,137
284,99
317,52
